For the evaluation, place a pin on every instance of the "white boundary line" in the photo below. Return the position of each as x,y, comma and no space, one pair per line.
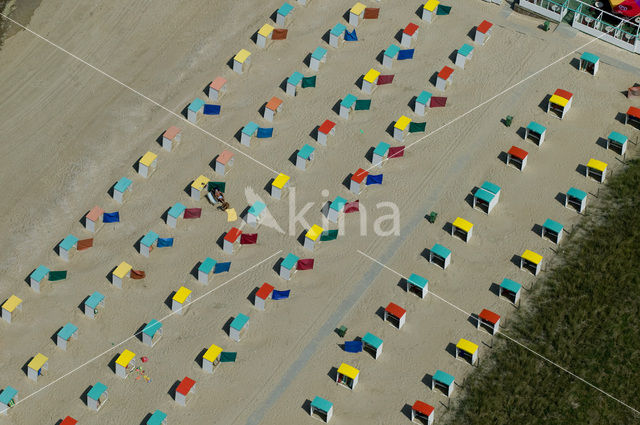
213,136
513,340
138,333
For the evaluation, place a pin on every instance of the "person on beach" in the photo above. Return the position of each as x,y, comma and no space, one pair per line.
218,196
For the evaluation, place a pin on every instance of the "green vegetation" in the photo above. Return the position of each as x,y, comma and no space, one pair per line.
585,316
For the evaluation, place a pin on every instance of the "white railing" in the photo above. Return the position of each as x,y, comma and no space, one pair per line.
554,10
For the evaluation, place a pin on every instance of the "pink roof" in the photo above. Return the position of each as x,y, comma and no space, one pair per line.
326,127
218,83
95,213
171,132
224,157
185,386
411,29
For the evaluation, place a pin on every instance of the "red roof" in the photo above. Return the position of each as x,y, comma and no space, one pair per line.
233,234
264,291
68,421
445,73
411,29
564,94
359,175
633,111
518,153
422,407
395,310
484,26
489,316
185,386
326,127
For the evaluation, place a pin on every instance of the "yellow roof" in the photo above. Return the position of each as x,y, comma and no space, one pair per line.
532,256
467,346
559,100
182,294
242,56
266,30
200,182
212,353
122,270
125,358
11,303
371,76
314,232
348,371
38,361
597,165
280,181
431,5
402,123
358,8
462,224
148,158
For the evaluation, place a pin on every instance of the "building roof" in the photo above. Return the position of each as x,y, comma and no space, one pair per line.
552,225
306,151
125,358
517,152
618,138
69,242
510,285
372,340
348,371
212,353
589,57
295,78
489,316
348,101
445,72
226,156
597,165
95,213
148,158
467,346
250,128
326,127
280,181
441,251
381,149
242,56
182,294
218,83
173,131
462,224
68,421
314,232
233,234
321,404
422,407
200,182
96,391
392,51
157,418
358,8
257,208
443,377
207,265
431,5
152,327
465,50
239,321
12,303
122,270
484,195
67,331
536,128
359,175
490,187
577,193
424,97
7,394
176,210
122,184
285,9
371,76
94,299
38,361
558,100
265,30
410,29
290,261
39,273
402,123
338,30
338,203
484,26
185,386
264,291
418,281
274,103
563,93
149,239
532,256
633,112
319,53
395,310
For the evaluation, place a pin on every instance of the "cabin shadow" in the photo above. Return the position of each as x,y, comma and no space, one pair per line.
301,237
172,390
252,295
145,421
359,82
473,319
575,62
267,187
187,189
136,165
199,358
276,266
194,270
389,129
136,245
165,215
346,14
54,337
325,209
560,197
230,62
448,226
545,102
111,190
472,32
433,79
412,103
380,313
220,241
283,85
502,156
402,283
419,11
27,279
621,117
56,247
112,363
469,199
380,57
333,373
138,333
226,328
326,36
406,410
453,56
451,349
109,275
425,254
83,219
254,37
521,132
602,142
515,260
347,181
398,36
262,109
494,288
84,395
306,406
293,157
81,305
185,112
274,15
169,300
426,379
369,155
336,107
314,133
307,60
581,169
537,229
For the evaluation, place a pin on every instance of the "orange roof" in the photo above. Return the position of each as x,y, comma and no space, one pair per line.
564,94
171,132
218,83
395,310
633,111
445,73
518,153
233,234
95,213
484,26
274,103
224,157
359,175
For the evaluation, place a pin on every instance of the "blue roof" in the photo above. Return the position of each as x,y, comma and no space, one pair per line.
589,57
196,105
39,273
443,377
620,139
319,53
152,327
484,195
250,128
348,101
123,184
94,299
176,210
321,404
465,50
510,285
338,203
296,78
67,330
371,339
290,261
536,128
96,391
381,149
491,187
440,251
418,280
285,9
240,321
577,193
207,265
157,418
306,151
257,208
424,97
149,239
338,30
68,242
7,395
392,51
552,225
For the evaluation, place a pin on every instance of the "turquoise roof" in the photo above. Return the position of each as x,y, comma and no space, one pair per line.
620,139
338,30
257,208
176,210
372,340
196,105
250,128
381,149
94,299
149,239
285,9
552,225
319,53
484,195
68,242
424,97
589,57
440,251
39,273
338,203
392,51
207,265
290,261
240,321
418,280
306,151
465,50
67,330
577,193
510,285
491,187
443,377
157,418
123,184
152,327
296,78
348,101
536,128
7,395
321,404
96,391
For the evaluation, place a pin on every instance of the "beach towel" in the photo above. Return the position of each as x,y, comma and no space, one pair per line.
165,242
443,10
371,13
417,127
138,274
211,110
263,133
438,102
248,238
228,356
363,104
192,213
396,152
353,346
113,217
350,36
221,186
84,244
280,295
351,207
385,79
57,275
405,54
222,267
279,34
231,215
305,264
308,82
329,235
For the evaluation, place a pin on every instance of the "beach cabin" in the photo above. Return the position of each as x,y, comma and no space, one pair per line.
464,54
272,107
256,213
632,116
336,208
444,78
93,219
440,255
535,132
262,295
92,304
288,266
356,14
560,103
238,326
8,399
157,418
321,408
248,131
11,307
65,334
97,396
184,388
422,413
589,63
205,270
66,247
347,104
422,102
409,35
389,55
418,285
576,198
69,421
401,128
462,229
510,290
517,157
125,363
552,230
241,61
152,333
483,32
597,170
531,261
211,358
467,350
395,315
230,238
174,213
312,236
180,298
278,185
199,186
370,80
372,344
120,273
283,15
443,381
326,128
148,242
336,35
617,142
37,366
357,180
293,82
347,376
318,56
217,88
147,164
305,155
489,320
486,197
172,136
121,187
429,10
224,161
196,107
264,35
